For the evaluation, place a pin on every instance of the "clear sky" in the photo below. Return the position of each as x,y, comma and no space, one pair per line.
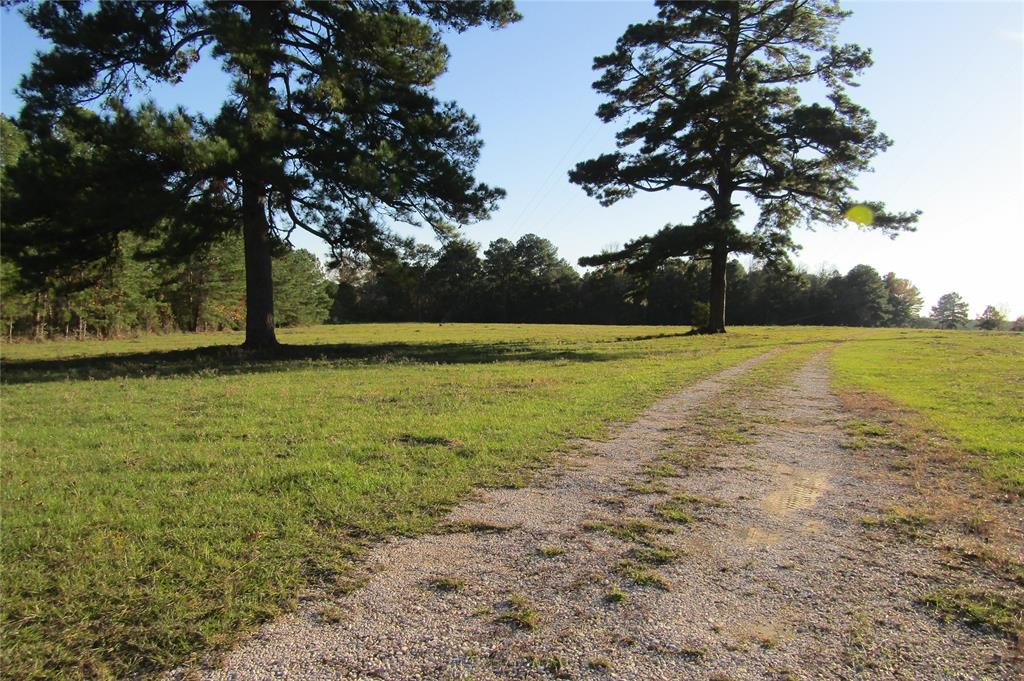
947,86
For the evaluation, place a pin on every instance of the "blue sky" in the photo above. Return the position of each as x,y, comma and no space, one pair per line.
947,86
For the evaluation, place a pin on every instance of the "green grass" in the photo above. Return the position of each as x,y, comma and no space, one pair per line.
653,555
615,595
161,494
550,551
518,613
968,386
642,576
989,610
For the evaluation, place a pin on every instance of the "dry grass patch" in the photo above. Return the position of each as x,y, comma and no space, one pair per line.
550,550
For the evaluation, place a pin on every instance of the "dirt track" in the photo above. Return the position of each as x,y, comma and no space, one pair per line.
681,548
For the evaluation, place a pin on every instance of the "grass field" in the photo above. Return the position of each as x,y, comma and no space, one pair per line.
161,494
967,386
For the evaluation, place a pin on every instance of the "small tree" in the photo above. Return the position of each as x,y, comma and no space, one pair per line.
699,314
991,319
708,96
1018,324
950,312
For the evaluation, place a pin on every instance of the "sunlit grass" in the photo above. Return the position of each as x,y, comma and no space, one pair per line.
969,386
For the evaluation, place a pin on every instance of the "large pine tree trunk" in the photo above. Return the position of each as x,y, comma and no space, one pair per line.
716,318
259,283
724,210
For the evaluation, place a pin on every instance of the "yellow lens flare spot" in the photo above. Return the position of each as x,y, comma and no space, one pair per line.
860,215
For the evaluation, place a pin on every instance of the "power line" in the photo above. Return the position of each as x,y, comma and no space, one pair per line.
544,190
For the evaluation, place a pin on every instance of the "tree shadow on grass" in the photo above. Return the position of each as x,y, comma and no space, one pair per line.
232,360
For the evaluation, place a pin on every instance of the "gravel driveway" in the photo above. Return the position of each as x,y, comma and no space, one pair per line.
679,549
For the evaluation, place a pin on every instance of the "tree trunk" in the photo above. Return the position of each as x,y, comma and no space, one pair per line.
724,213
259,282
37,322
716,317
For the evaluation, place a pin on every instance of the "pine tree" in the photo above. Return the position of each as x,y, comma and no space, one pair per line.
329,127
453,282
206,292
950,312
708,96
863,299
301,293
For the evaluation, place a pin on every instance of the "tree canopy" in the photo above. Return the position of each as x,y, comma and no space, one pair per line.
330,126
707,96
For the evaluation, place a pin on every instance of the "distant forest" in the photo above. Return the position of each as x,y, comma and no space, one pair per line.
525,282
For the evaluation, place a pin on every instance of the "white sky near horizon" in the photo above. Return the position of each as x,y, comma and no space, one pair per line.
947,86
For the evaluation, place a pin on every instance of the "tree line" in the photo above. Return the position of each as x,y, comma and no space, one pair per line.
525,281
132,294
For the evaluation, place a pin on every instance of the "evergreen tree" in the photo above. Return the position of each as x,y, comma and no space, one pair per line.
15,303
950,312
670,290
528,282
863,299
300,289
454,281
779,291
708,91
547,283
991,319
904,300
606,297
207,291
330,127
500,278
395,287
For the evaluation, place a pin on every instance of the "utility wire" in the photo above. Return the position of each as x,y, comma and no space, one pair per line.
542,192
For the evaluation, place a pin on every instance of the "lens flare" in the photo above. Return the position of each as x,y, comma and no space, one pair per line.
861,215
